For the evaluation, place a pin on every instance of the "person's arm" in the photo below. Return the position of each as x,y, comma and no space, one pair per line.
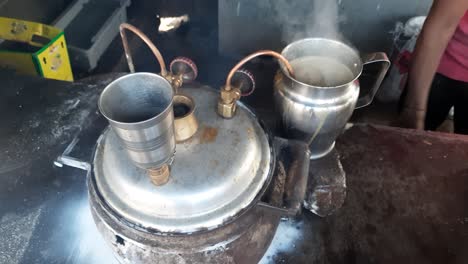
437,31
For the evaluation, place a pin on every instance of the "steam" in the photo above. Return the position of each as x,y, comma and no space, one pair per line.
320,19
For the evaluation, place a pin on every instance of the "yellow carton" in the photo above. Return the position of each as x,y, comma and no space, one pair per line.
50,57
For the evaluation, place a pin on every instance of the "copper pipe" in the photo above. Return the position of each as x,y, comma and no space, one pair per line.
145,39
253,55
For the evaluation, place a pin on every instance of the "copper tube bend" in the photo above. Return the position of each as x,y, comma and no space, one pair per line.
145,39
253,55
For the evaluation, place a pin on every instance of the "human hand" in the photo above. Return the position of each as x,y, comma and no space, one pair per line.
412,118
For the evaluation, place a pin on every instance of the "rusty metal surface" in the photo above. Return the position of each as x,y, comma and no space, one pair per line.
326,187
242,241
288,186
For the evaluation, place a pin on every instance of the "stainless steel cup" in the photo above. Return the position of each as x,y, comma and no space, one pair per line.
317,115
139,109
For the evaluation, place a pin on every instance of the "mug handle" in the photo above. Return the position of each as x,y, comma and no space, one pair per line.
382,59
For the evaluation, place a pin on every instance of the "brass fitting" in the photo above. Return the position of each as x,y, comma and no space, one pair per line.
159,176
185,121
175,80
227,101
230,95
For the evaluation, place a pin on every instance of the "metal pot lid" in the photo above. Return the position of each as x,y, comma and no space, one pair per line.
215,174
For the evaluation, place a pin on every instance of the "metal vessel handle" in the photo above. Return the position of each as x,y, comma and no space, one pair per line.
289,183
382,59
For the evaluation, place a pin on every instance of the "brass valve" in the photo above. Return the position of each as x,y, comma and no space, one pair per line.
181,70
176,81
245,85
228,101
242,84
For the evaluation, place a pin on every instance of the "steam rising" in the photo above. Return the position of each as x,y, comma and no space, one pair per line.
321,19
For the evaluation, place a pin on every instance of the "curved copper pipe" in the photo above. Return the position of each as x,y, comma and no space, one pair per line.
253,55
145,39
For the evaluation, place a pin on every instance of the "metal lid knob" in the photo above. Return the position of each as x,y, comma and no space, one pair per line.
244,80
185,67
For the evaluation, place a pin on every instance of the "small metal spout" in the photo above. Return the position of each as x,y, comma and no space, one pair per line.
185,123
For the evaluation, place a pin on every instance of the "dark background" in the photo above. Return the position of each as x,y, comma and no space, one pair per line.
220,31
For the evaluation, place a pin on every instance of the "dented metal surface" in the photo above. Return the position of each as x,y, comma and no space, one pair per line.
215,174
242,240
326,188
210,210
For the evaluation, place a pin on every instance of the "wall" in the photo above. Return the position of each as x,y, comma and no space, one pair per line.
246,26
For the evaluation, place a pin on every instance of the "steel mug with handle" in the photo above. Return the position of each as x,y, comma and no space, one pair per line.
315,114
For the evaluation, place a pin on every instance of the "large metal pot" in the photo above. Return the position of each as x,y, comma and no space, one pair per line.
317,113
229,185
